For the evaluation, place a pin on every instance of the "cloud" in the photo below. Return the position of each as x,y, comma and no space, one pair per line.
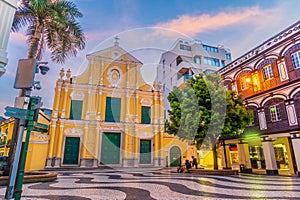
192,25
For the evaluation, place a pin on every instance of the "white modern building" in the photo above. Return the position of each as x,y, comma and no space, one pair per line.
187,58
7,12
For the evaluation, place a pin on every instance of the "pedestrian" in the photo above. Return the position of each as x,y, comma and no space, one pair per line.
195,163
188,165
180,168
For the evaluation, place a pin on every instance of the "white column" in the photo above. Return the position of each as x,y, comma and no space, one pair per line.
269,154
296,147
226,163
244,156
7,12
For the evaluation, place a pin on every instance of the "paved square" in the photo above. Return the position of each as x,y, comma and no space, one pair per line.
146,185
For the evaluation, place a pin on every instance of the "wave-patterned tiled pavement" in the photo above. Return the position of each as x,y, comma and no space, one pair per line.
112,184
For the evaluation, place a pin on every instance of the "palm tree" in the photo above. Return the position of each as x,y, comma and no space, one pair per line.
50,23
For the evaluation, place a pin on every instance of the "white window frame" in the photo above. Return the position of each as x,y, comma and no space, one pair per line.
268,72
275,113
296,59
243,82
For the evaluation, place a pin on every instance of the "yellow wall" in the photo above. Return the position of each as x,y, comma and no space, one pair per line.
38,144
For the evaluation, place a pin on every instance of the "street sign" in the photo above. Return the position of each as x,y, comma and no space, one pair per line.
18,112
40,127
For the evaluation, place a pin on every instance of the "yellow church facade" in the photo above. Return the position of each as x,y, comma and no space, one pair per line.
107,115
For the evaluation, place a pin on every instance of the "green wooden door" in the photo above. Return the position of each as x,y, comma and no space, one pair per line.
145,151
110,148
113,109
175,156
71,150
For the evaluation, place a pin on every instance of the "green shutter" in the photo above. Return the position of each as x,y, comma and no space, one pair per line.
76,110
113,109
146,115
145,151
71,150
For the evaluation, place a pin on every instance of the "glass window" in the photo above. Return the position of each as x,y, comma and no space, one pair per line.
197,60
267,72
210,48
211,61
208,71
146,115
185,47
228,56
113,109
275,113
296,60
243,83
76,110
223,63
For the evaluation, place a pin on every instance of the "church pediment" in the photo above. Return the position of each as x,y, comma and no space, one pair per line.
114,53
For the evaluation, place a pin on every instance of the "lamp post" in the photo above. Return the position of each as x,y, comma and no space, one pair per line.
24,81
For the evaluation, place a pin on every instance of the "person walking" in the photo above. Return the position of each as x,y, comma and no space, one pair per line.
188,165
195,163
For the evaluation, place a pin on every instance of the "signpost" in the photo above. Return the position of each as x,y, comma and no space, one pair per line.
17,112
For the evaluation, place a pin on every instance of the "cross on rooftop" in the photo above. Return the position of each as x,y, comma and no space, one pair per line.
117,40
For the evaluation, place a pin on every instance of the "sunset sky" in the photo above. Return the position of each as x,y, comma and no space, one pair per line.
147,28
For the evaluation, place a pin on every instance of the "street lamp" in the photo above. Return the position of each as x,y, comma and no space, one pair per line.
22,111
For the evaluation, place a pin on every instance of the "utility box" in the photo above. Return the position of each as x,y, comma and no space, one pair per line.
25,73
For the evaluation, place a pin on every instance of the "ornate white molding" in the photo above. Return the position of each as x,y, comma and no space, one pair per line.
114,76
73,132
146,102
291,112
77,95
146,135
262,120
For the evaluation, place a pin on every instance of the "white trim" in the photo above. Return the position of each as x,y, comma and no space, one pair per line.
280,96
146,101
243,70
63,150
294,92
289,46
77,95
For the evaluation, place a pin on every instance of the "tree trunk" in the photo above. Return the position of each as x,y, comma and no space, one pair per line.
34,43
215,157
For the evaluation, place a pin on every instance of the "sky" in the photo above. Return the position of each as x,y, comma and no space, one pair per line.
148,28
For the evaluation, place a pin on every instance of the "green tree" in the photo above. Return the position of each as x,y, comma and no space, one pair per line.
203,111
52,24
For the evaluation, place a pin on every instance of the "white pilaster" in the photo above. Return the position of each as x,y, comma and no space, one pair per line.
296,147
226,163
7,11
244,156
269,154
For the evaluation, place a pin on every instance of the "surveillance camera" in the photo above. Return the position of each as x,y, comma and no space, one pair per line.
44,69
37,85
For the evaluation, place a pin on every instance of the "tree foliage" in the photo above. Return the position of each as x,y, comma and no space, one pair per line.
51,23
203,111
